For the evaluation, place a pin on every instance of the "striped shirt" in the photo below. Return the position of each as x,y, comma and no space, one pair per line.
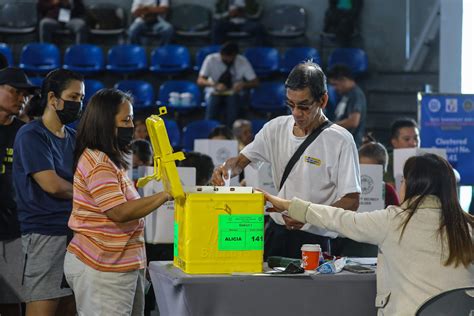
99,242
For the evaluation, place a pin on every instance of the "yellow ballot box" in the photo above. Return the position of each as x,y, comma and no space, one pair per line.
216,229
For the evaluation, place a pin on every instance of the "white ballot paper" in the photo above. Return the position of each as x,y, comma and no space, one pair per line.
372,197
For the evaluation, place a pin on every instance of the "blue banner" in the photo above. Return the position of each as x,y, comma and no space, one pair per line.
447,121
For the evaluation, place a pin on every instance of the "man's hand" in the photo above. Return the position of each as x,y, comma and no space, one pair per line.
238,86
220,87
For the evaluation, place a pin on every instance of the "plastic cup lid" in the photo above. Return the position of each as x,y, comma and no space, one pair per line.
311,247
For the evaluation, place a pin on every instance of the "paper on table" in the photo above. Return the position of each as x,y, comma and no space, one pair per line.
367,261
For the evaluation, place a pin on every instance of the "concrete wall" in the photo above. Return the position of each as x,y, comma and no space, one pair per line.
382,27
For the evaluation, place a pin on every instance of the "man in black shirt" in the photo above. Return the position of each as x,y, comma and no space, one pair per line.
14,94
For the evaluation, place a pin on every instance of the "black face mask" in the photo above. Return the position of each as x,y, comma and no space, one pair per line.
70,112
124,136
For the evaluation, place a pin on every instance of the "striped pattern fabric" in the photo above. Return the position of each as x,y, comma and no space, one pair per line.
99,242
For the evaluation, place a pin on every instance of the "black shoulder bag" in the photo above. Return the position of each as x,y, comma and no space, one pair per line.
311,137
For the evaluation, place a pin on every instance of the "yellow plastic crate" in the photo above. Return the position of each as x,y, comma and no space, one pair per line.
217,229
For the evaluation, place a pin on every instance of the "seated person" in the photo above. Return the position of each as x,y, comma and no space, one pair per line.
203,164
140,131
237,16
426,244
150,17
221,132
242,130
226,76
57,14
142,155
404,133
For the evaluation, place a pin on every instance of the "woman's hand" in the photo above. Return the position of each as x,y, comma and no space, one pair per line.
279,204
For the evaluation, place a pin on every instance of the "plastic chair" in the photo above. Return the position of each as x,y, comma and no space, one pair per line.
84,58
257,125
354,58
333,100
294,56
180,86
197,130
285,20
453,302
37,81
174,133
7,52
18,17
126,59
264,60
170,59
142,91
106,19
91,87
268,97
202,53
39,57
191,20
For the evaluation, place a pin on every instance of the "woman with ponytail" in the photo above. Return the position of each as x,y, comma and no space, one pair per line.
425,245
43,175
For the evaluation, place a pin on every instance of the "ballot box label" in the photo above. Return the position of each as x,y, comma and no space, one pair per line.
240,232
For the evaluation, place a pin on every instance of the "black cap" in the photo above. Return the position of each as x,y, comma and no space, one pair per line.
16,78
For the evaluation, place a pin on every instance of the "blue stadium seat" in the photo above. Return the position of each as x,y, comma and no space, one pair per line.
264,60
197,130
180,86
84,58
170,59
333,100
190,19
295,55
202,53
126,59
40,58
37,81
268,97
142,91
174,133
6,51
354,58
257,125
91,87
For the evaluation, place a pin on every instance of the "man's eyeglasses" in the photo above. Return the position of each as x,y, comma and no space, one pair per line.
303,107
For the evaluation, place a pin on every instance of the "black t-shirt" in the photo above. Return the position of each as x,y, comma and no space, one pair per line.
9,227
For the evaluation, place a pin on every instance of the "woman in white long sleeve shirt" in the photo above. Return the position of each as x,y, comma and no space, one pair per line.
425,245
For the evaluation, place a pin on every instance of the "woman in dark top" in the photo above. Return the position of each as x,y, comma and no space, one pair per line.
42,176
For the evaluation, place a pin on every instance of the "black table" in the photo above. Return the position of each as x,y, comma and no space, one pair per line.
178,293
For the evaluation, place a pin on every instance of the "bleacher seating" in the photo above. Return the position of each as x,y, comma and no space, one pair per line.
285,20
91,86
295,55
106,19
142,92
180,86
257,125
126,59
174,133
191,20
197,130
18,17
355,58
40,58
269,97
84,58
264,60
170,59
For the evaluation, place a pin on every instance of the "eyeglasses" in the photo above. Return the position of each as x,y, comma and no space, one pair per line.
303,107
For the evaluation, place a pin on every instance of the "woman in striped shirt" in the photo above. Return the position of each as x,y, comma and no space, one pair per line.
105,262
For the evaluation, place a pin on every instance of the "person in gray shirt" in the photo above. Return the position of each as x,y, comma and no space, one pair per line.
351,110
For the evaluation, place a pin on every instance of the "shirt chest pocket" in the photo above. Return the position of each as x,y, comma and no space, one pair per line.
382,299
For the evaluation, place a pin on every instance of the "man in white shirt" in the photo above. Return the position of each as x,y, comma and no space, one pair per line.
226,76
149,17
326,173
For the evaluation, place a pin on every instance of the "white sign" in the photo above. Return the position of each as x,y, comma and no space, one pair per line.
159,224
401,155
260,177
64,15
219,150
372,195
